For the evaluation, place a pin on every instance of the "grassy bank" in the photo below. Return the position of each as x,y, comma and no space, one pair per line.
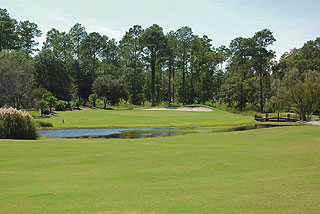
272,170
104,118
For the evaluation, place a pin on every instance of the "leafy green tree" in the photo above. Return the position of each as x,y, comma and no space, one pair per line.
52,101
308,57
295,79
304,59
45,100
55,63
300,92
203,65
185,36
131,51
155,42
250,58
285,64
217,81
60,45
91,49
171,52
237,90
108,89
111,52
27,31
262,59
91,54
16,79
93,98
8,36
50,73
39,94
43,105
239,83
77,72
76,34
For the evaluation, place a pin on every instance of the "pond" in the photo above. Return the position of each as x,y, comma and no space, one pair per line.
110,132
127,133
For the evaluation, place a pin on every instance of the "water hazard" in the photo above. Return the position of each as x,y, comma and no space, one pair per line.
127,133
110,132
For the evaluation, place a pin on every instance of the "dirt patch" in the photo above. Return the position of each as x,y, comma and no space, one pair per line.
180,109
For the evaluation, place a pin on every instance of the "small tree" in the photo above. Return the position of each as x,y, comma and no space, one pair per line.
16,79
108,89
42,105
93,98
45,99
301,92
52,101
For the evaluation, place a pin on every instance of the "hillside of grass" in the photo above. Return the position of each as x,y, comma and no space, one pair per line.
273,170
138,117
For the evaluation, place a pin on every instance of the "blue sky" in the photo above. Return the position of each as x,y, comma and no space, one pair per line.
293,22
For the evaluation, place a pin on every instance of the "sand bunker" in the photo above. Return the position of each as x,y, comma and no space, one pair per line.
315,122
180,109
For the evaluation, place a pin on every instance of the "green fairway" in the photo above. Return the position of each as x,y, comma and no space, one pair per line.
104,118
273,170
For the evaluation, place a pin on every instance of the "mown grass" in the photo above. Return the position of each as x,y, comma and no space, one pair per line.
273,170
105,118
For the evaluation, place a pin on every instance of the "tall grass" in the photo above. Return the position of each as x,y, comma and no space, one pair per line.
16,124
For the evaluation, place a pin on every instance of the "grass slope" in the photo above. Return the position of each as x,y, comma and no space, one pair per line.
103,118
272,170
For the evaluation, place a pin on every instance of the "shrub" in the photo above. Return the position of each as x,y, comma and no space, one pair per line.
75,106
125,104
45,124
93,98
45,112
61,105
16,124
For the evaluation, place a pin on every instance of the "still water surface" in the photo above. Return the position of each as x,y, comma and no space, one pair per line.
138,132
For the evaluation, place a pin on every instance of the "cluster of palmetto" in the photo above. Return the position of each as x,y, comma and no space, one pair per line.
147,65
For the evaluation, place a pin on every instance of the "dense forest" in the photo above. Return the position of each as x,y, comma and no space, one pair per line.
148,67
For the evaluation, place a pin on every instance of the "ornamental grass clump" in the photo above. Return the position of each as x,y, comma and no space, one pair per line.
16,124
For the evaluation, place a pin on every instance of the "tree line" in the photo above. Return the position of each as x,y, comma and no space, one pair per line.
148,66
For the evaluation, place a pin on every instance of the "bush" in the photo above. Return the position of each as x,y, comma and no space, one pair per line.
75,106
45,124
125,104
61,105
45,112
15,124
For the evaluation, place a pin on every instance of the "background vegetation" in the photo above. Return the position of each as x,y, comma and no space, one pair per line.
148,66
